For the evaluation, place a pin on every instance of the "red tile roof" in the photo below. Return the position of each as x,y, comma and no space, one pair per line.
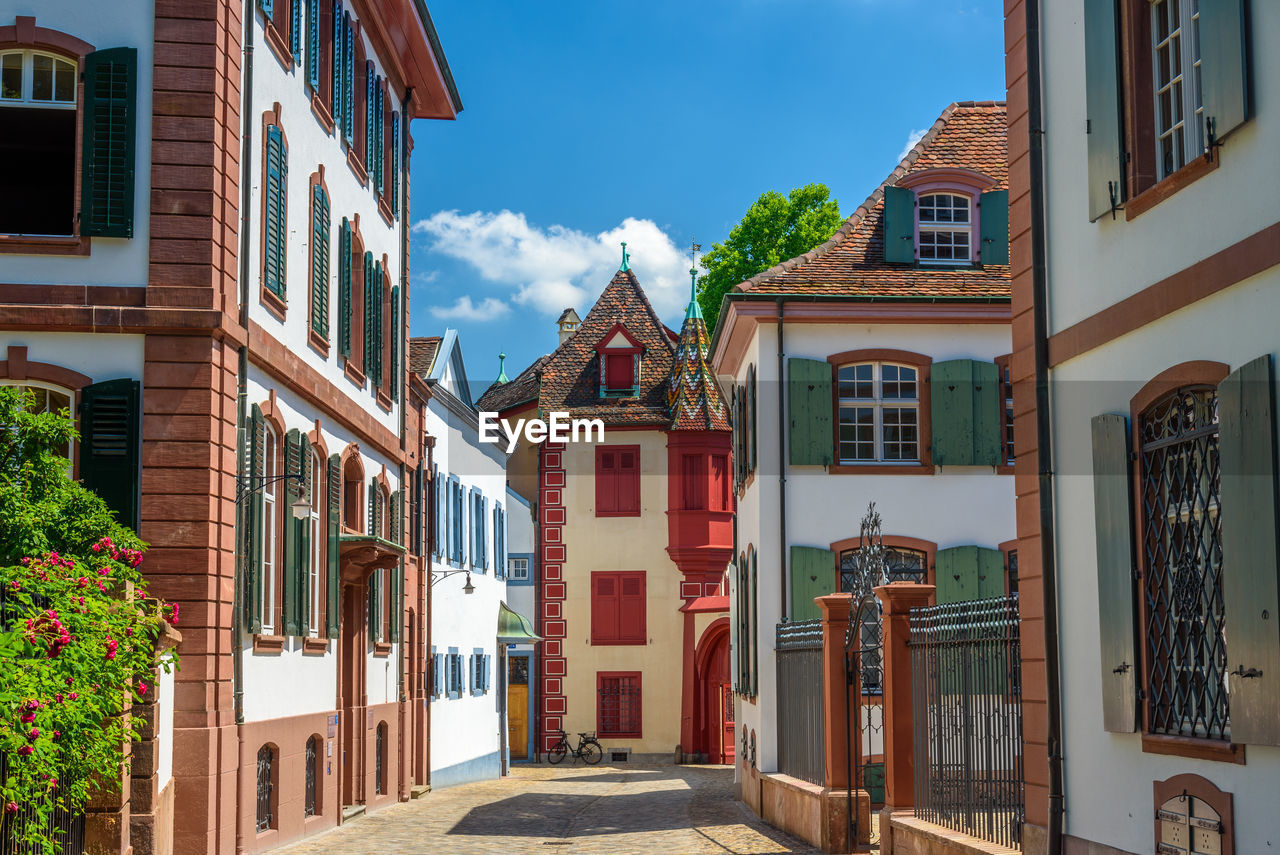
693,395
968,135
422,353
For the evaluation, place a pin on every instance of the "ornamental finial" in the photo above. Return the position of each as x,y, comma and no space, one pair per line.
626,257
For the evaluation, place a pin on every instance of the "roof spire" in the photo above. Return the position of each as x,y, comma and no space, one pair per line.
502,369
694,310
626,257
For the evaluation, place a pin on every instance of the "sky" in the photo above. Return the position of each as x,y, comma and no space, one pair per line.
658,122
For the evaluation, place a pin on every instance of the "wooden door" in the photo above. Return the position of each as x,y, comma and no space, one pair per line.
518,706
728,742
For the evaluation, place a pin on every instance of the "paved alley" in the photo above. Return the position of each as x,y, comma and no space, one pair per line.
632,810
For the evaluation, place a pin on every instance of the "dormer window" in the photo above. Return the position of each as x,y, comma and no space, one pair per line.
619,363
619,372
945,228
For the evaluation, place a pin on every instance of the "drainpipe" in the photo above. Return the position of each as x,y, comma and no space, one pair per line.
1044,430
242,403
402,378
782,467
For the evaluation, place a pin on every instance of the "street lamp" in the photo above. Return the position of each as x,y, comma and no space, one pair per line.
468,588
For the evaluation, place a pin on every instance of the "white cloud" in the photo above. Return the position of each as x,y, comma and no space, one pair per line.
552,268
912,138
488,309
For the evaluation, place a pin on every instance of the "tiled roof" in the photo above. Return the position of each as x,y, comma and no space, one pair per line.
693,395
968,135
422,354
503,396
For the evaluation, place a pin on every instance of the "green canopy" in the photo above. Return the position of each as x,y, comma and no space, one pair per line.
514,628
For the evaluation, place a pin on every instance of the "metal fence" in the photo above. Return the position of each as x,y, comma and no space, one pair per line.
965,662
65,827
800,723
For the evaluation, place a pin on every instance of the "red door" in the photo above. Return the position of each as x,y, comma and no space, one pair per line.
728,743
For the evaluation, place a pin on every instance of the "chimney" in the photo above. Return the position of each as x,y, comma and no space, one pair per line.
568,324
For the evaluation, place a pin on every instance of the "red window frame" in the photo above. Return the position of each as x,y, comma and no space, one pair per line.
616,680
619,616
619,371
617,489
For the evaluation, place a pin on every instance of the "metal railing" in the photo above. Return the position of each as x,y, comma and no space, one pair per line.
62,825
800,719
966,691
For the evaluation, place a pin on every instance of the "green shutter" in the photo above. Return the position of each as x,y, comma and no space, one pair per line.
993,209
1113,525
809,407
1102,102
1224,76
290,605
899,225
367,355
394,505
304,539
752,425
111,446
372,529
419,512
813,574
370,114
313,44
965,573
394,368
253,578
295,30
338,41
344,289
378,154
396,609
109,142
395,164
1250,588
274,195
754,593
333,589
320,262
966,413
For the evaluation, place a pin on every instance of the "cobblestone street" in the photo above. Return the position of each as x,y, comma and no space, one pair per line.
632,810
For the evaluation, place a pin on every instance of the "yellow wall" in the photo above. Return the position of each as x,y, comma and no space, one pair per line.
630,544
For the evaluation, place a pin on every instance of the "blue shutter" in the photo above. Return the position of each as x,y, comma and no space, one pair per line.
370,112
266,6
336,66
295,30
313,44
348,78
395,164
273,245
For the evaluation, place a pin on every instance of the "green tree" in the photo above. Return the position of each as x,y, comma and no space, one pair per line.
77,632
774,229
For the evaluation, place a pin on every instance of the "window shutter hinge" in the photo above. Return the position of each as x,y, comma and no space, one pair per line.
1088,126
1142,695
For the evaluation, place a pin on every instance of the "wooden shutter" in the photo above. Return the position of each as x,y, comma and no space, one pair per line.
606,481
605,617
374,618
344,289
267,7
313,43
253,578
333,581
291,607
109,142
395,164
754,593
631,608
348,79
752,425
1113,524
366,355
396,601
274,199
393,507
993,208
629,481
370,116
378,154
394,366
899,225
813,574
1224,83
809,405
964,396
111,446
337,65
1250,588
295,30
320,262
420,510
1102,102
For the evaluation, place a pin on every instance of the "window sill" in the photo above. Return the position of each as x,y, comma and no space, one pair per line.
384,210
276,41
315,646
30,245
1157,193
354,374
602,735
617,513
1198,749
381,648
273,303
357,167
268,644
317,342
321,111
384,401
602,642
880,469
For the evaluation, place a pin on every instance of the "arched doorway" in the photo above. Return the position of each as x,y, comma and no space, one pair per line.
714,695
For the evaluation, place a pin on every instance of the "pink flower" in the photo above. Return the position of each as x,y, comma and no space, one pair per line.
29,717
56,734
96,547
34,734
73,696
142,688
15,585
11,807
58,697
25,751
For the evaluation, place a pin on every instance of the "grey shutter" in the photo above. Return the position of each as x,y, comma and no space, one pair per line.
1250,588
1102,101
293,557
108,150
993,208
344,289
899,225
809,405
1113,517
111,446
333,583
253,578
1224,75
813,574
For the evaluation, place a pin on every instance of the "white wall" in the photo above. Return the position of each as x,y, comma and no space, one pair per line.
164,732
98,356
112,261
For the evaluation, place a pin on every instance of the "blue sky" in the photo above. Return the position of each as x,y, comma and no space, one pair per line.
657,122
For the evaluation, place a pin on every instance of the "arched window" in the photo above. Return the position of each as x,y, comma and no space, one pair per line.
319,543
901,565
38,94
352,475
312,760
270,529
380,760
266,786
47,398
879,413
946,228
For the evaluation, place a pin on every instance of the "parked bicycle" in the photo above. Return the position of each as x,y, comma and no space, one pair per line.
588,750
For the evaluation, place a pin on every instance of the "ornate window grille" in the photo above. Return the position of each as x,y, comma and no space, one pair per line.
1185,633
309,803
618,713
266,783
379,767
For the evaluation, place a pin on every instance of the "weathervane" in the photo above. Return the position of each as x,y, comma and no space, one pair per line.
694,249
626,257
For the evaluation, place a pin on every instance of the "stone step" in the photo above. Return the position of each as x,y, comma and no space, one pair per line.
350,812
419,791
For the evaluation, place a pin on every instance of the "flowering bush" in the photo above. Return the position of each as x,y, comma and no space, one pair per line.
77,630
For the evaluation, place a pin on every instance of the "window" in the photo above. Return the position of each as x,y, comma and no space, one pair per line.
352,476
380,759
618,708
719,486
1179,110
945,229
453,675
270,530
1183,608
879,411
618,481
38,94
901,565
618,608
1006,406
519,569
266,786
361,96
47,399
480,672
311,792
319,545
619,372
693,482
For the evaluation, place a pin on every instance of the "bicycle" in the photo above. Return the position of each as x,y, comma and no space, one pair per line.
588,750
